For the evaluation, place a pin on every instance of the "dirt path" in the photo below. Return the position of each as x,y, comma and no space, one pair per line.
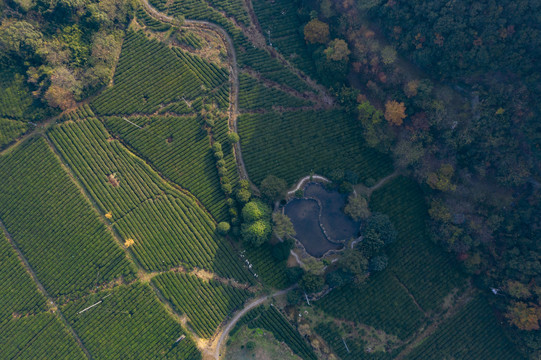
367,191
310,96
459,304
249,306
233,71
326,99
304,180
297,259
40,128
410,295
53,307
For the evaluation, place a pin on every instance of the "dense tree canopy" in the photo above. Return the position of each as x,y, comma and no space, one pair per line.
273,188
256,227
68,48
316,31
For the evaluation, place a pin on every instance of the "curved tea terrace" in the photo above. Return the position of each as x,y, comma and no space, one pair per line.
319,221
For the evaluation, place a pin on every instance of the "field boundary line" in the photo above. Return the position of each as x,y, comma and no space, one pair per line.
410,295
325,97
142,275
53,307
462,301
91,200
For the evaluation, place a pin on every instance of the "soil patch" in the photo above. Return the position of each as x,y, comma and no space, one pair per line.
113,180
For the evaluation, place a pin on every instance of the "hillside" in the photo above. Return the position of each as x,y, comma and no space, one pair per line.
237,179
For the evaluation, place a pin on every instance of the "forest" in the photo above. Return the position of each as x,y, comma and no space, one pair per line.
458,84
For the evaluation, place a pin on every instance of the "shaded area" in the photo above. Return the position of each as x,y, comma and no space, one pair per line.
304,214
337,225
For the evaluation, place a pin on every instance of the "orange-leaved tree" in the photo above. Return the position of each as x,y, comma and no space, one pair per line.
316,31
395,112
524,316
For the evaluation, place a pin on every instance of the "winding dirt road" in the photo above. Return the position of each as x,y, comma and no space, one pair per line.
214,348
252,304
233,71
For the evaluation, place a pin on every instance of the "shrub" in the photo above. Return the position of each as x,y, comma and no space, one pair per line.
311,283
244,184
273,188
219,155
216,146
233,137
255,210
227,189
380,225
294,274
257,232
223,227
379,263
243,195
281,250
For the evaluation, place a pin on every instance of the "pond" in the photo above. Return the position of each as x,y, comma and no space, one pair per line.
309,224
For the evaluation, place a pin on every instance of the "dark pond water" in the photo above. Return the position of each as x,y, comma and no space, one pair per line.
304,214
338,225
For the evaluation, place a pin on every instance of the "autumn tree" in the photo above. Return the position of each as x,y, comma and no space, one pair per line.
64,90
524,316
59,97
517,290
411,88
395,112
316,31
407,152
441,179
337,50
